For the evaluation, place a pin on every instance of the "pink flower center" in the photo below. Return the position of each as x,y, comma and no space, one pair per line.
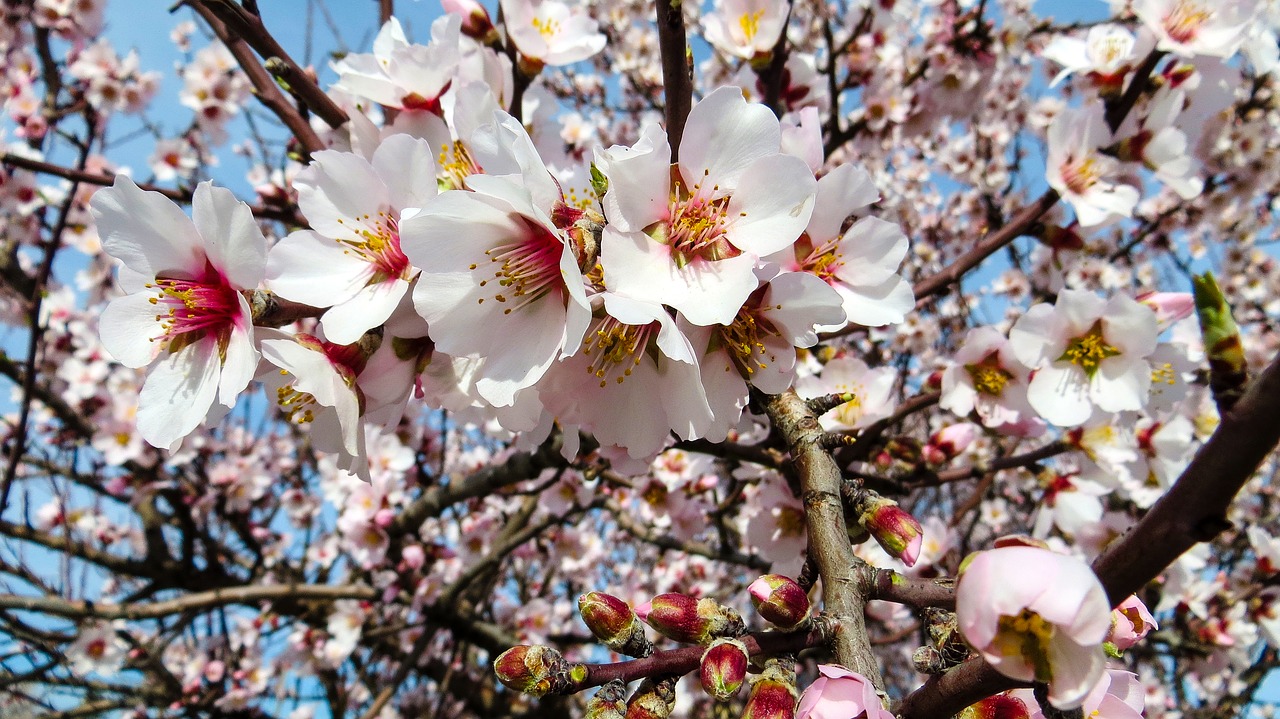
1184,21
988,376
697,225
195,309
744,338
527,267
1080,174
377,241
617,348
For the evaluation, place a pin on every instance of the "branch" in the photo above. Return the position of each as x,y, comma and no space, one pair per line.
677,75
846,580
917,593
73,609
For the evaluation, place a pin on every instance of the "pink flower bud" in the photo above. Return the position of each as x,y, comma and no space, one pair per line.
773,694
384,517
724,668
612,622
413,556
1169,306
838,693
534,670
897,532
780,600
475,19
692,621
1130,622
949,442
1000,706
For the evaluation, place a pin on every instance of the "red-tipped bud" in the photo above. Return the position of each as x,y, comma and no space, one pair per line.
897,532
653,699
535,670
614,624
947,443
773,694
1019,540
608,703
692,621
1169,306
1000,706
780,600
724,668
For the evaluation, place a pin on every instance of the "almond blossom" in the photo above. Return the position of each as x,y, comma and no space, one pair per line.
184,315
1078,170
1104,56
97,650
1197,27
1036,615
1086,351
550,32
689,235
988,379
401,74
351,261
838,693
748,29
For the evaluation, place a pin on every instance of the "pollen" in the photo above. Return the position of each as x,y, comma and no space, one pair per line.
1089,350
1185,20
297,406
1027,635
988,376
750,24
616,349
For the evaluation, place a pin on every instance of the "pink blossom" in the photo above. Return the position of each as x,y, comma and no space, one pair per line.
1036,615
841,694
1130,622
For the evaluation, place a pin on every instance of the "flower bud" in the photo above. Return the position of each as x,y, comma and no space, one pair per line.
1168,306
692,621
1228,368
1130,622
534,670
1000,706
653,699
893,528
608,703
947,443
614,624
780,600
724,668
773,694
475,19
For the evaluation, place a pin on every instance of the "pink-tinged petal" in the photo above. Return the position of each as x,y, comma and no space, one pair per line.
177,394
639,180
877,305
871,250
1130,326
771,205
1060,393
1122,383
239,364
1076,670
841,192
529,350
345,323
336,189
707,293
315,270
407,166
802,301
232,240
1038,337
723,136
127,325
146,230
1080,309
1126,689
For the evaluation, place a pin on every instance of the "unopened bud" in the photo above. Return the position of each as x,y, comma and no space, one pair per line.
475,19
653,699
692,621
1169,306
947,443
614,624
724,668
534,670
773,694
1228,369
897,532
1000,706
608,703
780,600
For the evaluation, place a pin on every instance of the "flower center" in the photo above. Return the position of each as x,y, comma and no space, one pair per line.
528,267
1088,350
618,348
1081,174
1186,18
744,339
547,28
96,648
1027,635
454,164
697,225
750,24
790,521
191,310
377,242
298,407
988,376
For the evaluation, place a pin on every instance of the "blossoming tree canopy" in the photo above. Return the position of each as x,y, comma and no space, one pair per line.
617,359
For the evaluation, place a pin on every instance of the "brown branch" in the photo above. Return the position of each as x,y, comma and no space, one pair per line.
772,75
247,27
846,580
647,534
918,593
74,609
266,89
282,214
677,75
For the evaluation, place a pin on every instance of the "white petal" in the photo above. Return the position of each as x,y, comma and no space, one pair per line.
1060,393
146,230
407,166
772,204
345,323
232,239
127,325
841,192
723,136
177,394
